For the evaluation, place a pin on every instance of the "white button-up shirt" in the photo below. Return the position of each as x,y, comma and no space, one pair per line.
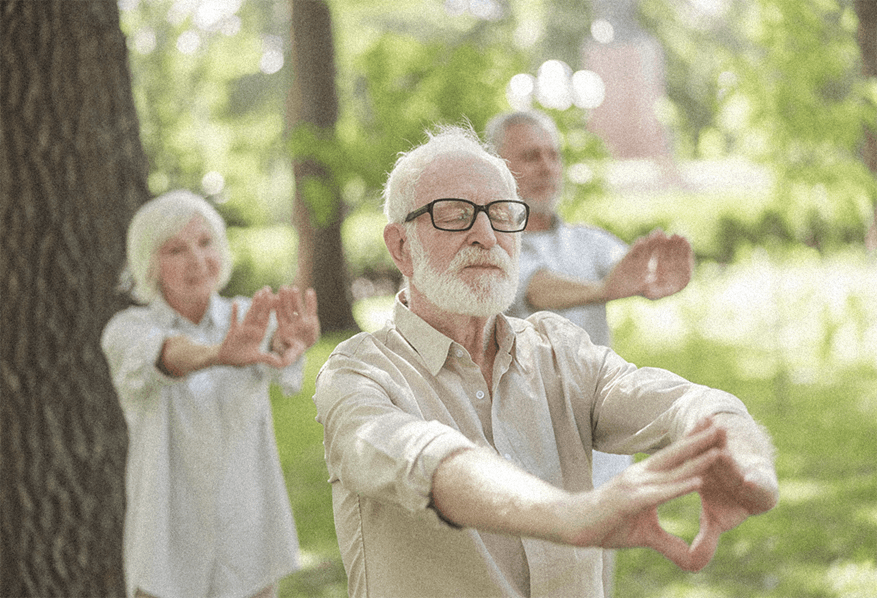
207,509
579,251
395,403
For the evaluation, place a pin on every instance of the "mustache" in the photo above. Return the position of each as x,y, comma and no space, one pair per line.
472,256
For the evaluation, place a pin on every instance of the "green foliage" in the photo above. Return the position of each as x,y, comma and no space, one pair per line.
205,106
778,82
793,335
406,85
774,81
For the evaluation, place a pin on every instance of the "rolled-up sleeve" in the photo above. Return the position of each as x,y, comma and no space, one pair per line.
646,409
374,447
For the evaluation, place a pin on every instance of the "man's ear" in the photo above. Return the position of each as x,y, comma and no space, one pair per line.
396,241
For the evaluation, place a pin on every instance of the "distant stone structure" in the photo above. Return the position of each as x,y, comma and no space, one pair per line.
632,68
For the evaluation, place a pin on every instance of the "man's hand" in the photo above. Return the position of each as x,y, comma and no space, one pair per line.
740,484
298,326
726,459
623,512
655,266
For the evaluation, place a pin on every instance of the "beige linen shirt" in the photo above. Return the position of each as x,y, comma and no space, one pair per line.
395,403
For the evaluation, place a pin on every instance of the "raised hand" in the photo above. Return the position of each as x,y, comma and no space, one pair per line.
298,326
655,266
242,343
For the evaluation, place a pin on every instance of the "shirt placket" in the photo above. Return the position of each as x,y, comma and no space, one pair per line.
475,387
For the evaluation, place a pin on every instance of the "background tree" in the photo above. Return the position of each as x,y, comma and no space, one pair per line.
72,171
313,106
866,36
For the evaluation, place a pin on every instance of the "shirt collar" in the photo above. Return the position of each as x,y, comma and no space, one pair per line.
432,345
168,316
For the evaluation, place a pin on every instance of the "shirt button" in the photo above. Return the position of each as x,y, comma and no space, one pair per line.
479,394
458,352
508,457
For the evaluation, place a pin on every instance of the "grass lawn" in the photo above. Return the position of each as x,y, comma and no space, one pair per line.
808,378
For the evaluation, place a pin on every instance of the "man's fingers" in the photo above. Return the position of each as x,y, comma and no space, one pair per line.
687,448
674,548
704,545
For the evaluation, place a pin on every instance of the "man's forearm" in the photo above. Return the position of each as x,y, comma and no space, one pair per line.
551,291
477,488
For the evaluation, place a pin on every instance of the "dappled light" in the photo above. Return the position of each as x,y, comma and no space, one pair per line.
717,129
602,31
489,10
801,315
556,87
272,54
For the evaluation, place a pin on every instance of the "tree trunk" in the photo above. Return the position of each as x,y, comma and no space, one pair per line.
72,172
318,205
866,10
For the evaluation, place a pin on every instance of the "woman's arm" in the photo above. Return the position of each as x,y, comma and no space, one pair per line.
180,355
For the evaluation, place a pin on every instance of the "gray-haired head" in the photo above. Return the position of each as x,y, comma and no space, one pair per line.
400,190
157,221
498,126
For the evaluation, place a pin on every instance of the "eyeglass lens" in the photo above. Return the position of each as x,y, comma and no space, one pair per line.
453,214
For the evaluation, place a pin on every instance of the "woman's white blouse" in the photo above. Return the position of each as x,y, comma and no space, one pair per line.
207,509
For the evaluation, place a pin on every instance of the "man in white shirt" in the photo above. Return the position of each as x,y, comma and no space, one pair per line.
575,270
458,441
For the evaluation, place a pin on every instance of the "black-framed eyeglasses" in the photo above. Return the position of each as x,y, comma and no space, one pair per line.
450,214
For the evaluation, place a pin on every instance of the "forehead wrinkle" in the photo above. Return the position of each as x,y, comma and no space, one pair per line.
463,176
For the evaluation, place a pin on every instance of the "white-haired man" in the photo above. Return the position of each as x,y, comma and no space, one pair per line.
458,441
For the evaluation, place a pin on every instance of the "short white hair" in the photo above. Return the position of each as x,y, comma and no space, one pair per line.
157,221
400,190
499,125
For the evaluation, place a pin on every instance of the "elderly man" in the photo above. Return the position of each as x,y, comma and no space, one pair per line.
458,441
575,270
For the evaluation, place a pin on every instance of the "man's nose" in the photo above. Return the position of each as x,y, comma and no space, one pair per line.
549,163
482,231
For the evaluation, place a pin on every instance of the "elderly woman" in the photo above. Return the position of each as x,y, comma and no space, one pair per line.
207,509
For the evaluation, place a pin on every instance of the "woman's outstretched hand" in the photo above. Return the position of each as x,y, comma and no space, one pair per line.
298,326
242,343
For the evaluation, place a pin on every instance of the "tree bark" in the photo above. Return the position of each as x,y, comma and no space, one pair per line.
318,206
72,172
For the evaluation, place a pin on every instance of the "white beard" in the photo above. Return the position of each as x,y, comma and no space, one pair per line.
490,295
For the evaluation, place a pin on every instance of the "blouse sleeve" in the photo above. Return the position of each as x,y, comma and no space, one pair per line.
132,343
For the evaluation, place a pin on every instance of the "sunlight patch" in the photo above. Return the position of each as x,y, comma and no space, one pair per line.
853,580
798,491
